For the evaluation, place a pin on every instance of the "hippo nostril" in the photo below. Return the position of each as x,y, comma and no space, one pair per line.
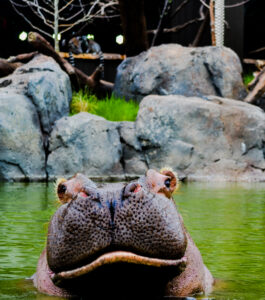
91,194
131,188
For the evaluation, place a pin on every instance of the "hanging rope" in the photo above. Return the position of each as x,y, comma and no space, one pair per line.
219,12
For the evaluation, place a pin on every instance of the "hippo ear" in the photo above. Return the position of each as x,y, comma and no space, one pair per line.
165,182
173,181
60,189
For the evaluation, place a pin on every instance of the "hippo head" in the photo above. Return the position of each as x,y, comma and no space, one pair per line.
134,223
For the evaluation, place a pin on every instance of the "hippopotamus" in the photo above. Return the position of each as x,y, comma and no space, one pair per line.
120,239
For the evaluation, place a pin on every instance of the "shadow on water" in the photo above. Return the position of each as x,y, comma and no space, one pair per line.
226,221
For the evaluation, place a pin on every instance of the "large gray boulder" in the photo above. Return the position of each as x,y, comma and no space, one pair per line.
31,100
46,85
85,143
22,156
133,158
173,69
215,139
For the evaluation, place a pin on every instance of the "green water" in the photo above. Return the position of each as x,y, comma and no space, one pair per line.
227,222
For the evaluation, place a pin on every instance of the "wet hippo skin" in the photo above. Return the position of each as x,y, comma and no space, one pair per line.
120,240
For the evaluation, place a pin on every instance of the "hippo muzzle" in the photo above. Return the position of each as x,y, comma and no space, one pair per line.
135,223
132,228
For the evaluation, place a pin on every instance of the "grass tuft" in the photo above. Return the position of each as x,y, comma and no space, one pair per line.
247,78
111,108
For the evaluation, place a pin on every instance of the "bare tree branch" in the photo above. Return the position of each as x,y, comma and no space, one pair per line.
61,17
160,22
181,26
237,4
179,8
30,23
257,50
66,5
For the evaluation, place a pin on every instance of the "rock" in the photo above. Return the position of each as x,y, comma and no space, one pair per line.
202,138
47,86
31,100
214,139
173,69
133,158
22,155
85,143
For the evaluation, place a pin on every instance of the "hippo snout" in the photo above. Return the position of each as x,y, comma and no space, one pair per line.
139,217
120,239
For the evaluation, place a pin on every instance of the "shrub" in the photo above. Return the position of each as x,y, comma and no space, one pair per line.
111,108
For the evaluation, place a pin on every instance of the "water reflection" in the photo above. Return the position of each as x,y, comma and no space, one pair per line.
226,221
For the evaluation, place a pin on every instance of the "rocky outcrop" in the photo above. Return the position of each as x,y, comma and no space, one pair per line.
22,155
85,143
215,139
202,138
173,69
31,100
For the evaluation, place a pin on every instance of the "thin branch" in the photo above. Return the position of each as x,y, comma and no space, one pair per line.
237,4
70,18
45,20
29,3
181,26
257,50
39,8
66,5
160,22
227,6
27,20
106,17
201,28
179,8
86,18
205,4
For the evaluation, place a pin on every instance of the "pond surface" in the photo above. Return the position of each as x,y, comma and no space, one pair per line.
227,222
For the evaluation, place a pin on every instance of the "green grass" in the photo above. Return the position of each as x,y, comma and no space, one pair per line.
112,108
247,78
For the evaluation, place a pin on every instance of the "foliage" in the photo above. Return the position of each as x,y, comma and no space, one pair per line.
247,78
111,108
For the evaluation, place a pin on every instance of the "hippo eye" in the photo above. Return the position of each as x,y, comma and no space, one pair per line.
167,183
61,189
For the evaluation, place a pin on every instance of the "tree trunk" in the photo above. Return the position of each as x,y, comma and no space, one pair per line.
134,26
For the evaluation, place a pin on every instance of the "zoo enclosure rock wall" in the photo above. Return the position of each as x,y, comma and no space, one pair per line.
202,138
215,139
31,99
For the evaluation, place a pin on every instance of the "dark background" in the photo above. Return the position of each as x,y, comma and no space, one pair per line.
245,30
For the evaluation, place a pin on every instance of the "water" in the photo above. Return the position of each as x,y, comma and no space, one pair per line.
227,222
